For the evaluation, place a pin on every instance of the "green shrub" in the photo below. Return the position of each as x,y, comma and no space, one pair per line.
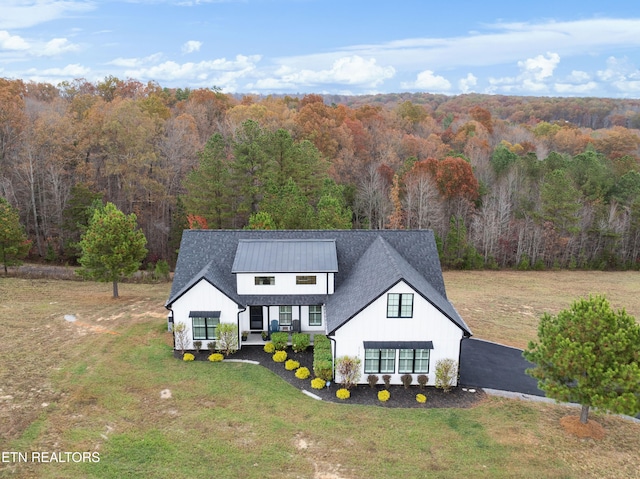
300,341
323,369
197,345
320,340
423,379
524,264
211,345
406,380
302,373
161,271
343,393
318,383
421,398
188,357
280,356
269,348
280,340
446,374
216,357
372,379
322,357
291,364
384,395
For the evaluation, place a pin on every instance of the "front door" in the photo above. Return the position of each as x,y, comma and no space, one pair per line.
255,318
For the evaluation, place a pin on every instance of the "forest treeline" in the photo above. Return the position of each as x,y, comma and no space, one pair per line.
503,181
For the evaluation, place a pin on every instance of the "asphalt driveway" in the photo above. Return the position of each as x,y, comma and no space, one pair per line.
489,365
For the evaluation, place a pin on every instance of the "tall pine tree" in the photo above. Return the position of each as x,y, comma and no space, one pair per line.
589,354
112,247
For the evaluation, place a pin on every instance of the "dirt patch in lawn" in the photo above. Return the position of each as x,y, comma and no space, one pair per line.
590,430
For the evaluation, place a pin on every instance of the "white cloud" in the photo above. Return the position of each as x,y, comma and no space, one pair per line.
221,72
136,62
191,46
57,46
540,67
74,71
348,70
27,13
621,74
466,84
12,42
535,76
575,89
426,80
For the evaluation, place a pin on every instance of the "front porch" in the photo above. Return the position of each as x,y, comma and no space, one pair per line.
254,338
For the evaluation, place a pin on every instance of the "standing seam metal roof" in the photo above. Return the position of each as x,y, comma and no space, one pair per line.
285,256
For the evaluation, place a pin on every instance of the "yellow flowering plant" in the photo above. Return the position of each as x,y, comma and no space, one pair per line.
291,364
302,373
384,395
318,383
188,357
215,357
421,398
343,394
280,356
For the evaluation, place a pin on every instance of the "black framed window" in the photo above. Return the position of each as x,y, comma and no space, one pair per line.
400,305
264,280
285,316
205,328
414,361
305,280
315,315
379,361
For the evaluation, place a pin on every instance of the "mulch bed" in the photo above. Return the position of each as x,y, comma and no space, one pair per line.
458,397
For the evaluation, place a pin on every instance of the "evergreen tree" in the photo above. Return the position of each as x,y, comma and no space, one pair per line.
76,217
208,186
14,245
112,247
250,168
332,211
588,354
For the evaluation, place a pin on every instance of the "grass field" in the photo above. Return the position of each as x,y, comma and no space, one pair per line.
95,385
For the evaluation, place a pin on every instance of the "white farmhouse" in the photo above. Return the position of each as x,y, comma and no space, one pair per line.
378,294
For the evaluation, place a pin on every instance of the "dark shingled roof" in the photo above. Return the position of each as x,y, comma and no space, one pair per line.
370,262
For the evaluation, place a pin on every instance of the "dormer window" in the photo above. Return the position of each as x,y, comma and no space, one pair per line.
305,280
265,280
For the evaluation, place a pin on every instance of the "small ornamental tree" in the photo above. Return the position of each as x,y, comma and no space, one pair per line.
112,247
589,354
348,369
14,245
227,338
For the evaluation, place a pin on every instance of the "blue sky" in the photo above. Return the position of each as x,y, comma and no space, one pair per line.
541,48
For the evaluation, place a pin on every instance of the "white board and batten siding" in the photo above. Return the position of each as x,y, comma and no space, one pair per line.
426,324
203,297
284,283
